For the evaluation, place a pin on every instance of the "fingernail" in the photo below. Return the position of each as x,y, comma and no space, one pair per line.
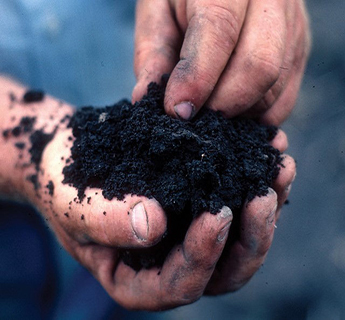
225,213
271,191
140,223
224,232
184,110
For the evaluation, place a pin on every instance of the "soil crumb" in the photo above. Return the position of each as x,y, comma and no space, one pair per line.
39,141
20,145
33,96
50,187
33,178
188,167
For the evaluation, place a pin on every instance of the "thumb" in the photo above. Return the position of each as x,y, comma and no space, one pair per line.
132,223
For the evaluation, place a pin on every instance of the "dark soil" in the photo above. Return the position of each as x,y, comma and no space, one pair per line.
50,187
189,167
38,138
39,141
33,96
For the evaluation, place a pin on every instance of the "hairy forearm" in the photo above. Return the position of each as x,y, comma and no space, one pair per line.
22,125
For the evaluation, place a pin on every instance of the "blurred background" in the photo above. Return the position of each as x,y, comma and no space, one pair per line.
82,51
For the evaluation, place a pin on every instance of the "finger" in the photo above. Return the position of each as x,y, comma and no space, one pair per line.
256,65
283,106
286,69
134,222
280,141
243,257
213,30
157,44
185,273
296,60
282,185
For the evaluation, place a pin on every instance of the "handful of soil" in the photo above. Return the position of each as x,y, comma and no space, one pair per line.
188,167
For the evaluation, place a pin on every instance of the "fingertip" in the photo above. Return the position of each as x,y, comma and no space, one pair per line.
211,230
261,203
284,181
287,173
134,222
157,222
259,213
289,164
184,110
271,194
280,141
226,215
139,91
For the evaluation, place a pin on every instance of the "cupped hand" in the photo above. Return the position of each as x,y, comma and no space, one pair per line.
239,57
94,230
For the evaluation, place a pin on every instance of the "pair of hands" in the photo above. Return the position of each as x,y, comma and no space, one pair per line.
239,57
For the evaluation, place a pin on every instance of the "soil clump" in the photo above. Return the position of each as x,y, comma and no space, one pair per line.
188,167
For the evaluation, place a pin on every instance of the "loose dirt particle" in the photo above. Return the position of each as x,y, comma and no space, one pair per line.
50,187
12,97
20,145
33,178
33,96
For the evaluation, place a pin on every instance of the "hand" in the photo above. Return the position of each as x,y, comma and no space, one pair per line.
191,269
239,57
94,230
246,251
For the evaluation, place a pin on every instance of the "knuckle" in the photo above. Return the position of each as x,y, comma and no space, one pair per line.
225,25
150,56
266,67
182,287
186,296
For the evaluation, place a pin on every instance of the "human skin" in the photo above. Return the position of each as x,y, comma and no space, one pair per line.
240,57
200,265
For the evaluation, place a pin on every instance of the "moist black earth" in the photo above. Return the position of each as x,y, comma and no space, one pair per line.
189,167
